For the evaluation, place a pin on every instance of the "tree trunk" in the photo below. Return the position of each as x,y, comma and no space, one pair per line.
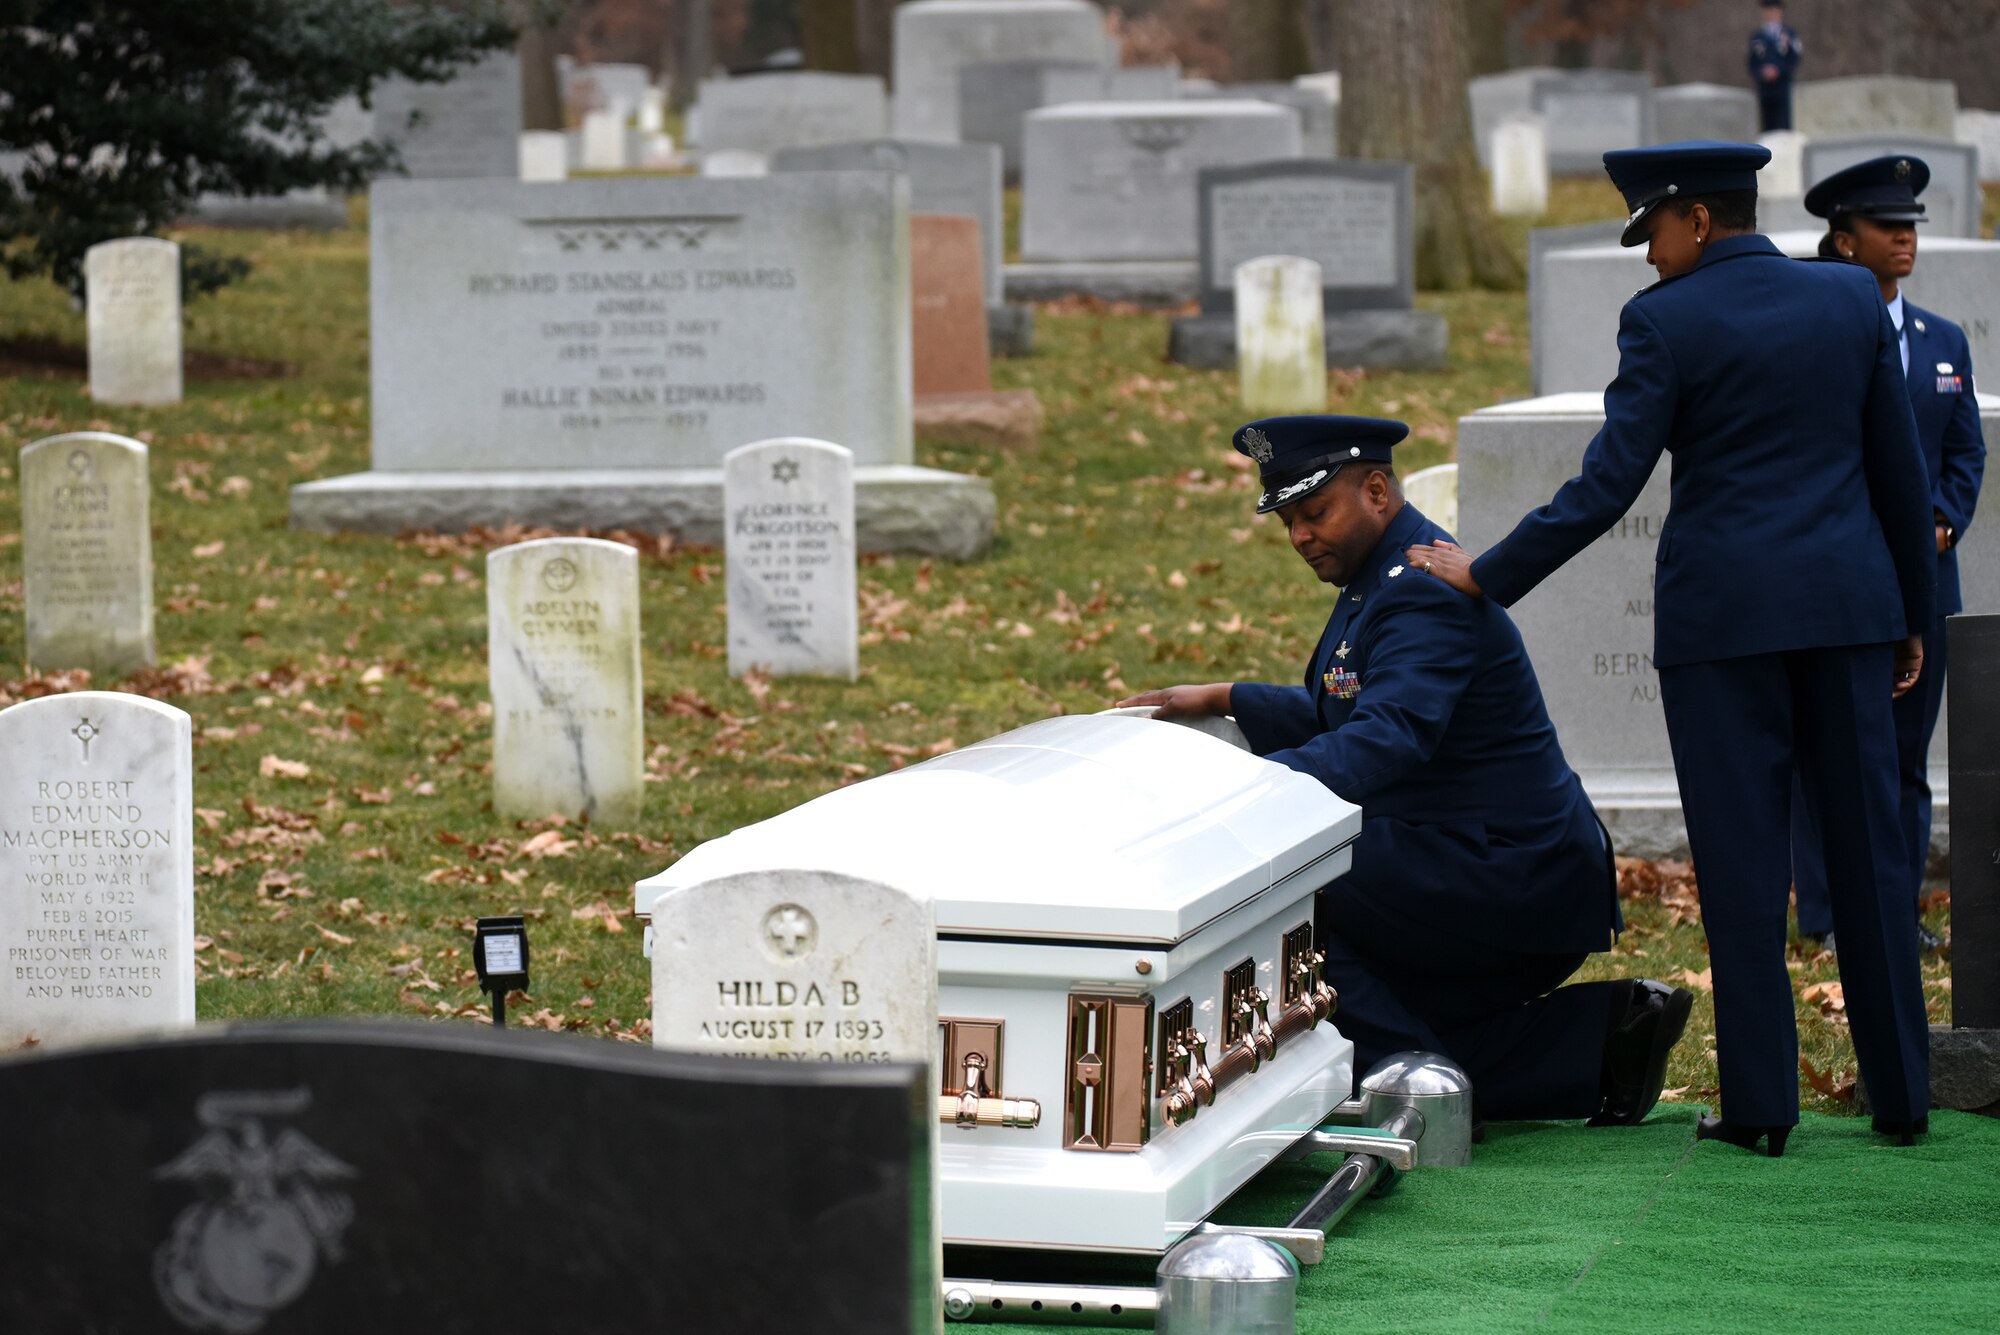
694,50
1486,24
541,86
1402,99
830,36
1267,40
873,25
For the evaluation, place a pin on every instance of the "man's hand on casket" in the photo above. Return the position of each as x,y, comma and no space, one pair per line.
1184,701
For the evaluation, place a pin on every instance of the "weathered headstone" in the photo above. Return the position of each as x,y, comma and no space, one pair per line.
1493,98
1589,112
1116,181
468,125
583,355
1520,157
133,287
1704,111
1319,125
1784,176
1352,219
96,868
768,112
1575,296
944,178
995,98
1589,627
563,660
544,155
1981,129
1951,201
87,553
934,39
1434,491
947,306
789,552
309,1177
1280,336
603,145
1875,104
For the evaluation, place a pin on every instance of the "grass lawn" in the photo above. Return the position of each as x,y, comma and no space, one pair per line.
1128,557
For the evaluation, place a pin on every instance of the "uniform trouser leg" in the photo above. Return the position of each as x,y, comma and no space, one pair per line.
1737,726
1775,109
1531,1052
1916,715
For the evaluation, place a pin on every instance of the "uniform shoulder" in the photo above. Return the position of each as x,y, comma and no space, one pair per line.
1408,587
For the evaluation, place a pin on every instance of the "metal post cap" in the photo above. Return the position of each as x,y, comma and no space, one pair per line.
1416,1073
1234,1256
1228,1284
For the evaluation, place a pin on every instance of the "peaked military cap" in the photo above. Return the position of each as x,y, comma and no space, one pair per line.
1884,189
1296,456
1648,177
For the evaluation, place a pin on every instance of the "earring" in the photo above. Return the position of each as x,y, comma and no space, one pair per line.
1698,240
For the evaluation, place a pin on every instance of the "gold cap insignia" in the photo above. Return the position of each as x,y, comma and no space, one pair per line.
1257,445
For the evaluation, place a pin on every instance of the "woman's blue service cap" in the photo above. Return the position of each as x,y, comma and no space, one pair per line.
1884,189
1648,177
1296,456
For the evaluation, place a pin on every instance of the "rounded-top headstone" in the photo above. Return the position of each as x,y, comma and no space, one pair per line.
133,290
87,553
788,508
563,655
1434,491
1281,335
96,867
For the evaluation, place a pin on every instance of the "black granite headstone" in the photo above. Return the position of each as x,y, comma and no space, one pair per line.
1965,1055
326,1177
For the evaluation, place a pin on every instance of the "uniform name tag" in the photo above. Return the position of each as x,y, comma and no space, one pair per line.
1342,684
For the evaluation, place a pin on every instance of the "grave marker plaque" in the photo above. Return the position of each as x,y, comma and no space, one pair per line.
789,548
563,654
96,868
133,287
1353,219
87,553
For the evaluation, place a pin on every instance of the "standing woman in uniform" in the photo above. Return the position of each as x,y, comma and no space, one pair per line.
1794,579
1872,215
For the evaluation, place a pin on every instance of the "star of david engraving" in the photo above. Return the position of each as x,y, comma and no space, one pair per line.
785,470
86,732
790,930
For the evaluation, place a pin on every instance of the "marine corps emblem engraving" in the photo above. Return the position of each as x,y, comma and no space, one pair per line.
250,1245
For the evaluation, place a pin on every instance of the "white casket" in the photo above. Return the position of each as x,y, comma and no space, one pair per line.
1132,1022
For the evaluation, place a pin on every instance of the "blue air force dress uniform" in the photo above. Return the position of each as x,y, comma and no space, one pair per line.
1938,374
1481,878
1797,548
1775,45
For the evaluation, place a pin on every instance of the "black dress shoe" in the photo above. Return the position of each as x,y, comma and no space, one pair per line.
1635,1053
1744,1136
1927,940
1902,1132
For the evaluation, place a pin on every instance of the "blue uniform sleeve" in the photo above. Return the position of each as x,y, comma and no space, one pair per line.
1638,422
1421,652
1898,479
1955,491
1273,717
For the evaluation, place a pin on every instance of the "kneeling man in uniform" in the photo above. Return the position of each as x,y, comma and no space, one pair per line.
1482,877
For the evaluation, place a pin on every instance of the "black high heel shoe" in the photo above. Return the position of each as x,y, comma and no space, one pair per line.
1742,1136
1902,1132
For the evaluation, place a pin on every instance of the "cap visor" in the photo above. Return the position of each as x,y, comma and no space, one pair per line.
1295,490
1637,231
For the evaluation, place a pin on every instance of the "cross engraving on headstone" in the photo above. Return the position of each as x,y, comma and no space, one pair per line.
791,929
84,731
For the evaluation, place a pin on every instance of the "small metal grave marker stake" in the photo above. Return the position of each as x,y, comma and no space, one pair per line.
500,953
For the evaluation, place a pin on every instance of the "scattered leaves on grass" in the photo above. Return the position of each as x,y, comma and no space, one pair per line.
276,767
1829,997
1704,980
1836,1085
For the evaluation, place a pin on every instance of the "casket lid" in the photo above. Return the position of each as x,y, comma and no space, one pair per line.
1092,827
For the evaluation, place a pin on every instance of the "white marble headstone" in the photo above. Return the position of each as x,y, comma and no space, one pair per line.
96,867
1280,335
87,553
563,653
133,287
1434,491
544,155
1784,176
604,145
789,509
795,966
1520,159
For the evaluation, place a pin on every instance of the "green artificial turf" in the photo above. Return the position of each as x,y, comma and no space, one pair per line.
1563,1228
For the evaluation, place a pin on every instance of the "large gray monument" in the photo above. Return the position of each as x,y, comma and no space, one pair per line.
583,353
934,39
468,125
1353,219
